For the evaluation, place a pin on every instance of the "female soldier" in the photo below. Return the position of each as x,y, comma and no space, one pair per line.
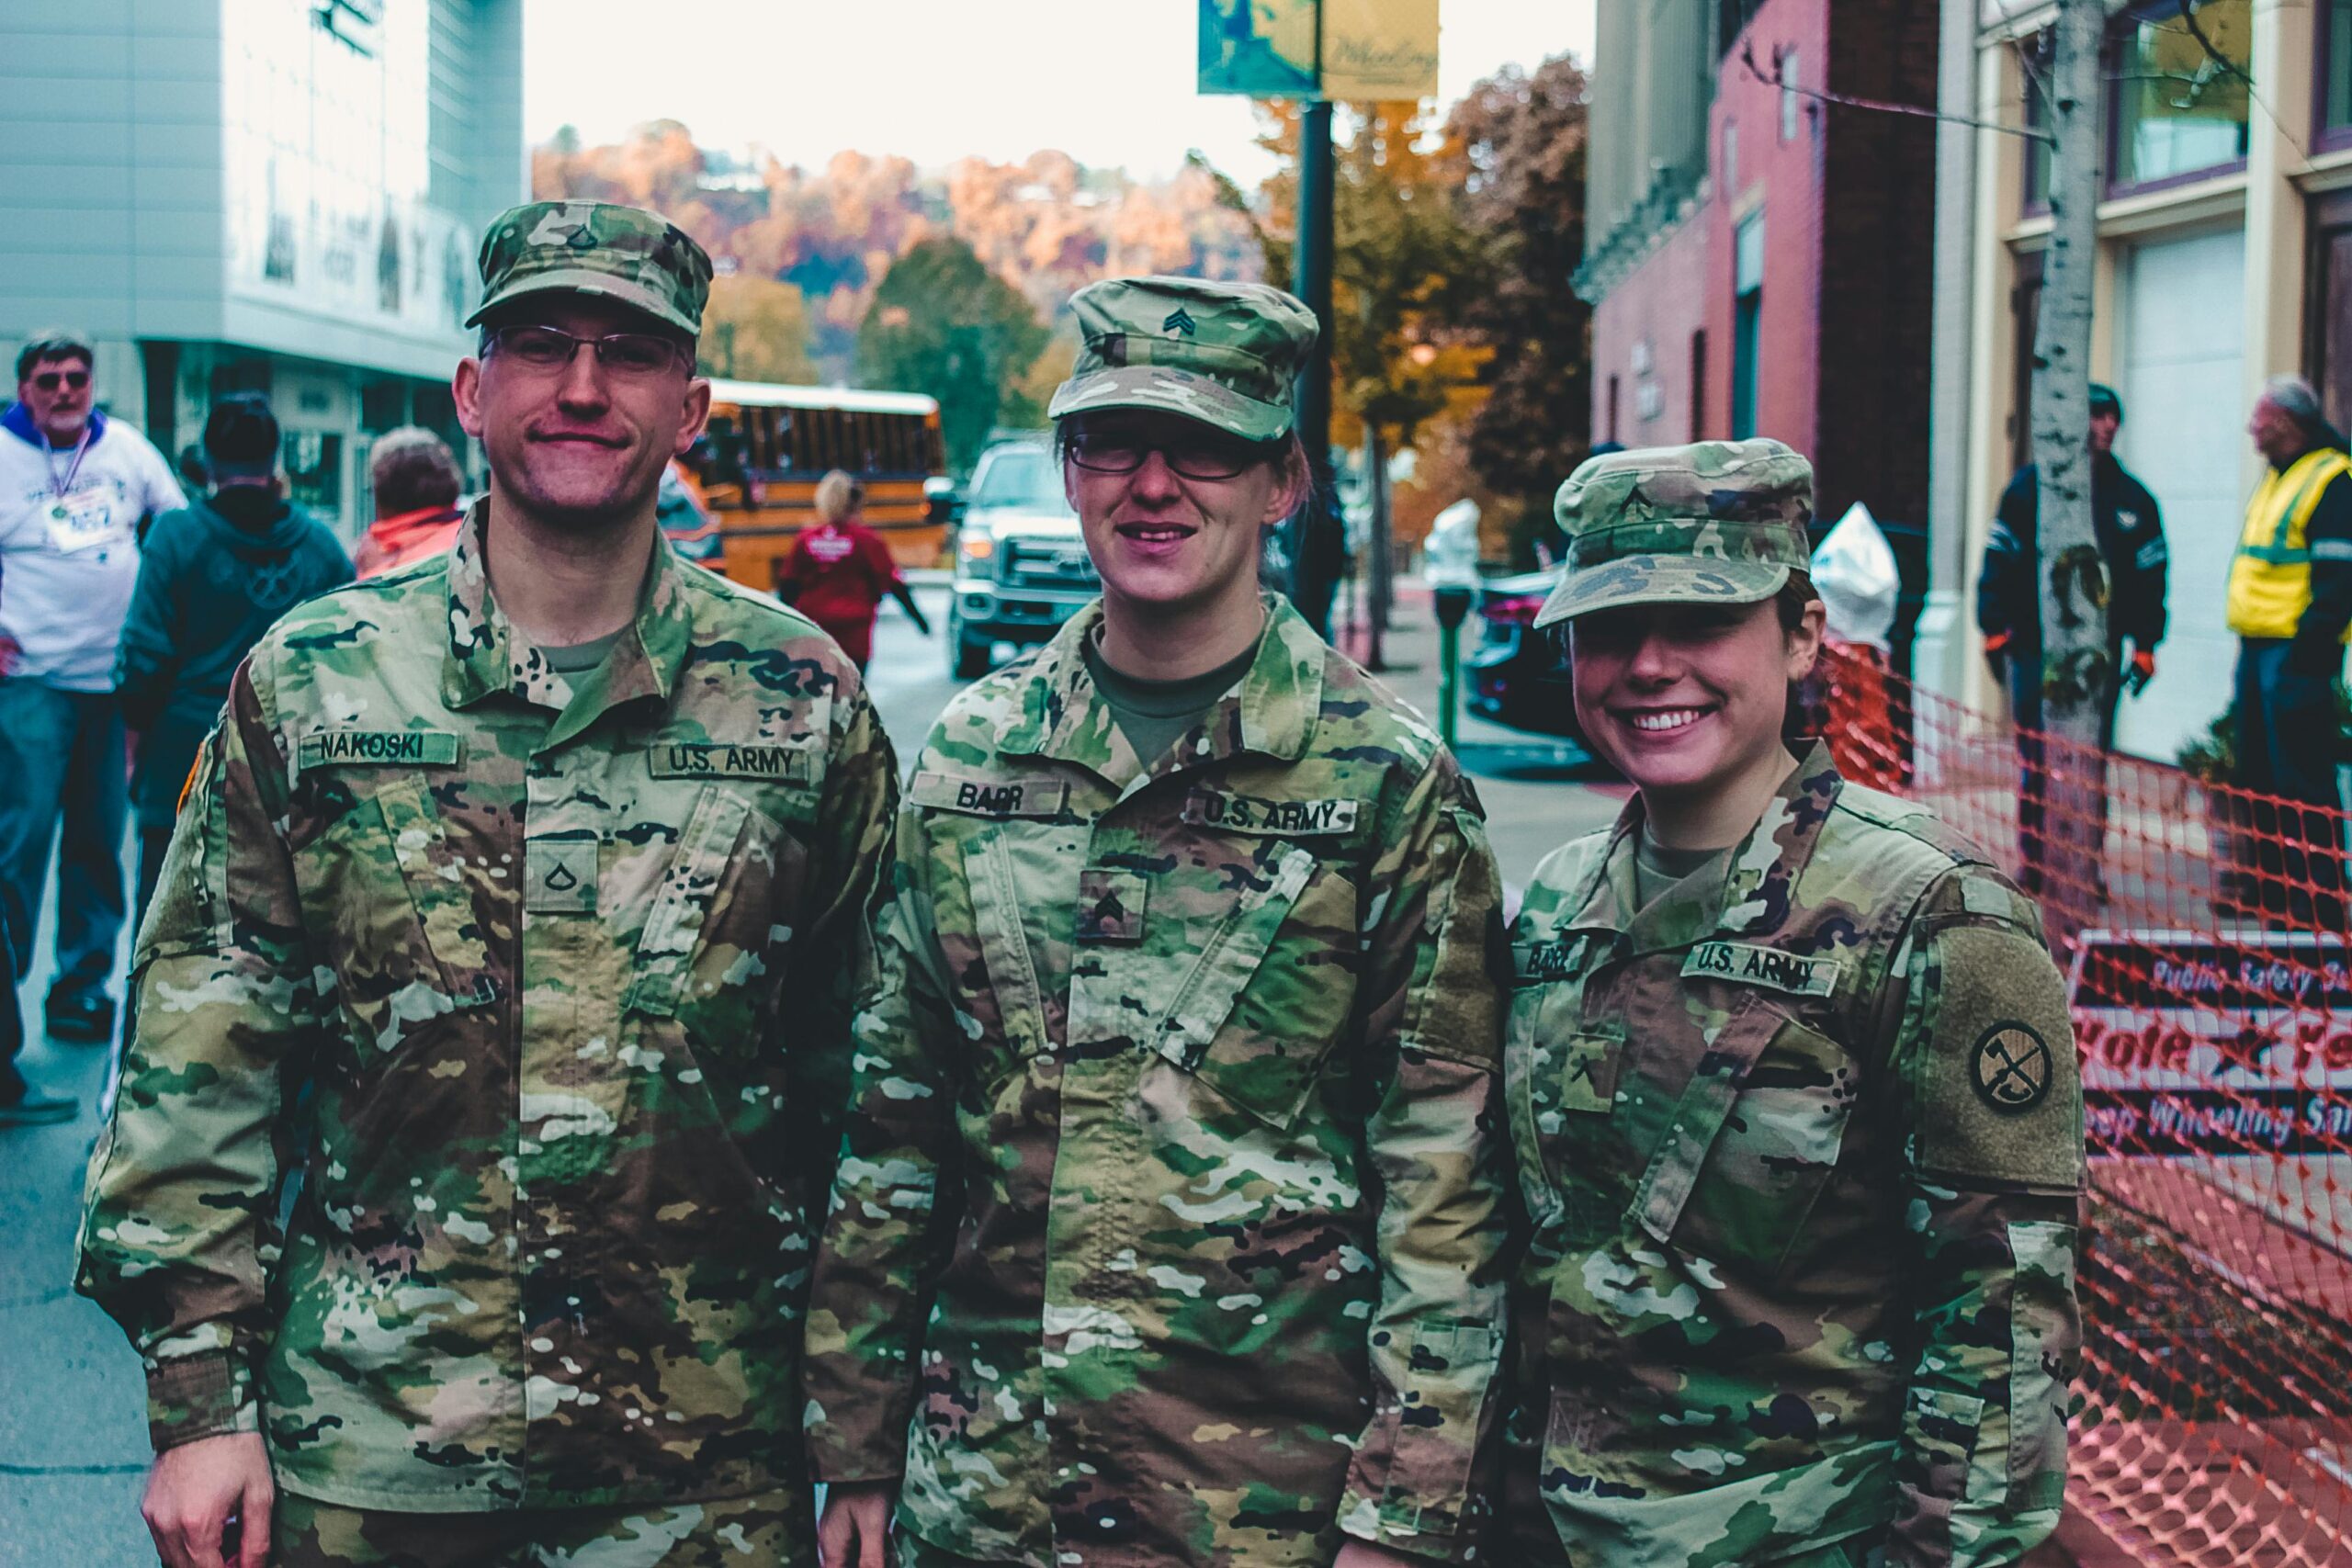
1169,1228
1793,1093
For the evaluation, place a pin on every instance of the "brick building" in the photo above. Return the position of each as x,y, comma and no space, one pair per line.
1759,259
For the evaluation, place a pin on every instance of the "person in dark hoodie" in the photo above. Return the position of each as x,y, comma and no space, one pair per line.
215,577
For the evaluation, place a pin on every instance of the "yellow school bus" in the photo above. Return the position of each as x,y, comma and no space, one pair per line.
757,467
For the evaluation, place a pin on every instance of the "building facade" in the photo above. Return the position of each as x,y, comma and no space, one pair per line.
2224,257
1760,256
281,195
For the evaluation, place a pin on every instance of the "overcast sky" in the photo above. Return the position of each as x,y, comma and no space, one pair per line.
1109,82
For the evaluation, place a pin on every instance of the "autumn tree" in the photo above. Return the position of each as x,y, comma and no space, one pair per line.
756,329
1515,147
941,322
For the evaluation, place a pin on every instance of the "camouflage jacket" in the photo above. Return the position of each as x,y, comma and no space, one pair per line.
561,969
1800,1142
1169,1223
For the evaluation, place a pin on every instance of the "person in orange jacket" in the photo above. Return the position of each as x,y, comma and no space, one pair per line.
416,481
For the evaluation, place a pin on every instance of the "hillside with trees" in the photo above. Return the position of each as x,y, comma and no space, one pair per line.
1457,339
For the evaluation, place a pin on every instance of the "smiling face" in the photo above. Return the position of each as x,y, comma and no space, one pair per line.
1688,699
581,444
56,392
1162,540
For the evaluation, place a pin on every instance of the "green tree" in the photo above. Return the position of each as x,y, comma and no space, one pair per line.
1515,147
756,329
941,323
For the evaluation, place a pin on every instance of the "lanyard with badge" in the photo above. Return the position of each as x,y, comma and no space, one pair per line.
76,524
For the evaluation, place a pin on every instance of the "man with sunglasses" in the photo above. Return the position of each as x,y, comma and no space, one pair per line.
74,489
543,865
1169,1220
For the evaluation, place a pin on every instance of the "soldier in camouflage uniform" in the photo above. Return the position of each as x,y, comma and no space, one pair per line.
1170,1224
1793,1096
540,867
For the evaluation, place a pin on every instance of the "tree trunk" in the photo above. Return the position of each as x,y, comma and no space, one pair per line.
2077,676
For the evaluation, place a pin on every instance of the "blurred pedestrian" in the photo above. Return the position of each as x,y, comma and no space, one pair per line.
839,571
526,888
1171,1225
20,1103
416,483
76,488
2291,603
1798,1129
2129,530
213,578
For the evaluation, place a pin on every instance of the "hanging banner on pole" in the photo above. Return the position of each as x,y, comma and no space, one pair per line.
1257,48
1379,50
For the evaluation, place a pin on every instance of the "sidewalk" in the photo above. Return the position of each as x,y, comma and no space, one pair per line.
73,1404
1537,792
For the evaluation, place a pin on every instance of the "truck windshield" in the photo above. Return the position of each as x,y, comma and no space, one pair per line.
1020,476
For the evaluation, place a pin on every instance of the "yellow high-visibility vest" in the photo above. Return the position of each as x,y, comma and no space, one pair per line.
2270,580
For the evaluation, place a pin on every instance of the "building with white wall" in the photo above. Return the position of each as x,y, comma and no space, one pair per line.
275,195
2225,257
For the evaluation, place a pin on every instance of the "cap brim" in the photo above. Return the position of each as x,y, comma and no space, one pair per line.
1165,391
602,284
1631,581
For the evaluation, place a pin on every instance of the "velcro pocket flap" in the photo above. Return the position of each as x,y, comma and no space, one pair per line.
1232,955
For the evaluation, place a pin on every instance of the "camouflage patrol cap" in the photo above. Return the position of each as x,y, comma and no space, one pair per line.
624,254
1225,354
1719,521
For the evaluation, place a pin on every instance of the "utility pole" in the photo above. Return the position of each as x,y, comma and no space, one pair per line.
2077,675
1315,538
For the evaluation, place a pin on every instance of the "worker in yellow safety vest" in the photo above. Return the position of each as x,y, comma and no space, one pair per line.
2291,602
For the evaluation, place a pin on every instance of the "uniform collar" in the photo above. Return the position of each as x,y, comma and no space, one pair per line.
1751,894
1271,714
487,654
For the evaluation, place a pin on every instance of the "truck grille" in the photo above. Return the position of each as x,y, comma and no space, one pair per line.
1048,566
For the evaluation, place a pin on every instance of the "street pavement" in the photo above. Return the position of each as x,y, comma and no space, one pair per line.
72,1428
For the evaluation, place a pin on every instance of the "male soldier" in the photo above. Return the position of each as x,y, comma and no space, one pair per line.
1793,1095
1170,1220
2291,603
2131,535
516,860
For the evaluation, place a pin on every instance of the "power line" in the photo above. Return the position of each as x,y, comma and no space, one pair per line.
1748,57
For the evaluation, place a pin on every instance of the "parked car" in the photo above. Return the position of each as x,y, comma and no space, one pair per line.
1021,563
1519,676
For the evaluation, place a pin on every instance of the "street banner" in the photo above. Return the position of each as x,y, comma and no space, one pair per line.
1380,51
1257,48
1373,50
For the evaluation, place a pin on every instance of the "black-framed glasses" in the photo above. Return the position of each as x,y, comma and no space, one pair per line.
551,349
1205,454
50,380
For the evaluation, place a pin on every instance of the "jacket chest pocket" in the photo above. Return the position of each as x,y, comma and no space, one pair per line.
387,896
1560,1079
711,951
1748,1156
1254,985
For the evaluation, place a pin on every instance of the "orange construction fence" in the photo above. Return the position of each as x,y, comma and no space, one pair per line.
2202,928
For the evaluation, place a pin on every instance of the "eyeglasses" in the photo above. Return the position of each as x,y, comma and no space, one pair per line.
551,348
50,380
1204,455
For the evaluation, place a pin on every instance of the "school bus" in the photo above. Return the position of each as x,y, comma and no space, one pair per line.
767,445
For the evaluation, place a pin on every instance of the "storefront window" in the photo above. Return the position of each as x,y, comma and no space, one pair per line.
2180,91
314,471
2033,63
2335,88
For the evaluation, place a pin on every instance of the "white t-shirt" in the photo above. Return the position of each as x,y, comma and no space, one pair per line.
68,561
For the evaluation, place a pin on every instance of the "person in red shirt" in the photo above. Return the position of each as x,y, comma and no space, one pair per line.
839,571
416,482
